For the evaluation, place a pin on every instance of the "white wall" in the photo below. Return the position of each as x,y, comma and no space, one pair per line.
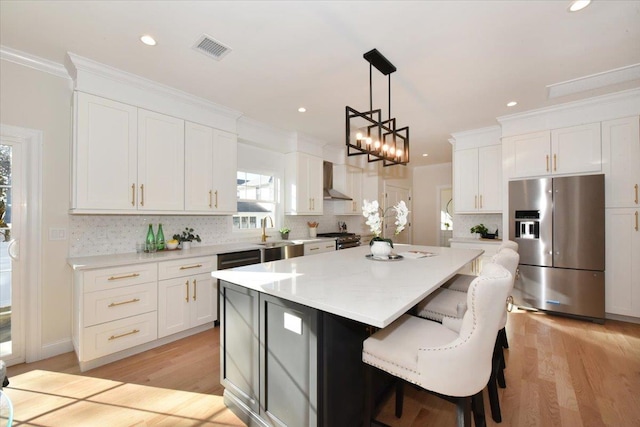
426,215
37,100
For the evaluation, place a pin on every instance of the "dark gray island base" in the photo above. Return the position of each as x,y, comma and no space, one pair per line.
286,364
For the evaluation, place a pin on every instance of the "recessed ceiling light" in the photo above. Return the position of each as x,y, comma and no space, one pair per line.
302,109
577,5
512,104
425,155
148,40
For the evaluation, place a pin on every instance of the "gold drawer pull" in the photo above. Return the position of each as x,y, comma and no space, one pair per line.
128,276
330,246
555,163
190,266
133,194
195,284
210,198
547,163
636,220
114,337
186,285
142,194
216,193
636,200
115,304
313,249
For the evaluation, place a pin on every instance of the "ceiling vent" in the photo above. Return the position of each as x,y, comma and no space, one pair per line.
211,47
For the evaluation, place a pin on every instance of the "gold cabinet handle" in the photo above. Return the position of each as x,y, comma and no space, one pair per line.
636,220
133,194
216,193
141,194
475,202
195,284
186,267
115,304
127,276
186,285
555,163
210,198
115,337
481,201
313,249
547,163
636,188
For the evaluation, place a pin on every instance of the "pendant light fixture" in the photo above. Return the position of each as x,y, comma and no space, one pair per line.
366,132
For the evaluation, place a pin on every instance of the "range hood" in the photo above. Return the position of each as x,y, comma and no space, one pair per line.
329,192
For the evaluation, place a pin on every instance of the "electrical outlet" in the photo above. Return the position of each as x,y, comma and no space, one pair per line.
57,233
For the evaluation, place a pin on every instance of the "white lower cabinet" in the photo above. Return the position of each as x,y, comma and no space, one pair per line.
475,267
314,248
123,310
187,294
622,271
114,309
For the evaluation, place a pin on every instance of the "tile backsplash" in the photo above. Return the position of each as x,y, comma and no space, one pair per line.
462,224
113,234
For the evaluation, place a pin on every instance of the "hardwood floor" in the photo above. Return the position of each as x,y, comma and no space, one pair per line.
560,372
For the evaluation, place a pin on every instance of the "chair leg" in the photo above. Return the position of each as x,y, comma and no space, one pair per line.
502,333
498,363
494,402
477,407
463,412
399,397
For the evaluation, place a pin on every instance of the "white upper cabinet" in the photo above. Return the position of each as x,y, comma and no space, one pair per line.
210,170
569,150
621,162
348,180
160,162
105,161
477,171
478,186
303,184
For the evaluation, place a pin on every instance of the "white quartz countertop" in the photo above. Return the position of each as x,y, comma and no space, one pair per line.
348,284
116,260
474,240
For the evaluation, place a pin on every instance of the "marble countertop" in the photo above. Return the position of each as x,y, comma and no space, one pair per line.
348,284
116,260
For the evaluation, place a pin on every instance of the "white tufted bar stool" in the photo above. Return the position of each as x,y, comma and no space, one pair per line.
448,306
453,365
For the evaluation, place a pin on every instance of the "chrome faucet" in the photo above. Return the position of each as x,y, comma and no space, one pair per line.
263,223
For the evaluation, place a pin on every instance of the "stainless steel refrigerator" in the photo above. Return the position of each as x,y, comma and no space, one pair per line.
558,224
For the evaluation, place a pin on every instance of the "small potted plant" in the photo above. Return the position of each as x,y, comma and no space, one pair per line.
186,238
480,230
284,233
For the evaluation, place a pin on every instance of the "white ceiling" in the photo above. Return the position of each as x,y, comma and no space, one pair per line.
458,63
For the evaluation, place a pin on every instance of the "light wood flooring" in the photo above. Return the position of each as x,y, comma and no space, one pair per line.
560,372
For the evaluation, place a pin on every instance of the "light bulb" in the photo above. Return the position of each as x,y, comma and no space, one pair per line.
367,141
358,136
399,153
385,148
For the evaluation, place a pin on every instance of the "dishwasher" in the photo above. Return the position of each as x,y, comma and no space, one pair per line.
232,260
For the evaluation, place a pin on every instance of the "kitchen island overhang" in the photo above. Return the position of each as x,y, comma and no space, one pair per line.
292,330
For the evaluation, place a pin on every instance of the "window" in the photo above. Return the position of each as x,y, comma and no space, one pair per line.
258,196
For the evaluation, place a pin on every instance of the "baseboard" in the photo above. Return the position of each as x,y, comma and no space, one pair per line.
55,349
629,319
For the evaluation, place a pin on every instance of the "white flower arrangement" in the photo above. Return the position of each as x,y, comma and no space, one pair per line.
376,215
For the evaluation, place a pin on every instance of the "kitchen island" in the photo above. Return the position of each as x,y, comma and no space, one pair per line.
292,330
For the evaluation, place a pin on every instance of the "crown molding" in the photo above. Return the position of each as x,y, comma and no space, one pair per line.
605,107
32,61
594,81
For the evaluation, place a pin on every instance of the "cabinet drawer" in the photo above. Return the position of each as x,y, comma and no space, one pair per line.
109,278
107,338
118,303
186,267
319,247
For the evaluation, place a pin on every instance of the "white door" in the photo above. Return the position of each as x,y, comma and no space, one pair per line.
12,335
392,195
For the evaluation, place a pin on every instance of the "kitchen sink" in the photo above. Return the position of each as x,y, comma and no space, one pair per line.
274,251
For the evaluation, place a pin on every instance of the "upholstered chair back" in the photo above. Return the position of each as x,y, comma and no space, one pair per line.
509,244
462,367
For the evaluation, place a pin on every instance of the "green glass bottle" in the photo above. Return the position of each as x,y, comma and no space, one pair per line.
160,238
151,240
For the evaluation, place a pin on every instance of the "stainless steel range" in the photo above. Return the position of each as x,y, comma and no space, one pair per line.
343,240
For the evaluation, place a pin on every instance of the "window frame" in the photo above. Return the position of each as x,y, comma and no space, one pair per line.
278,214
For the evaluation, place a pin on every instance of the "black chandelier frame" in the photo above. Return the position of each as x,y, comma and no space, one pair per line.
396,140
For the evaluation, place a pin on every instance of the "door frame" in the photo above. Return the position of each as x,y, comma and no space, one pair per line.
30,247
